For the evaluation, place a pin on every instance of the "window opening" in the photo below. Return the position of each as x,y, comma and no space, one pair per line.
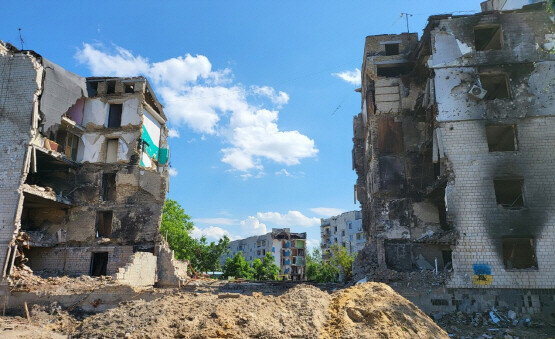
391,49
112,150
110,87
395,70
99,264
104,224
108,186
519,253
508,192
129,88
496,85
501,138
114,117
488,37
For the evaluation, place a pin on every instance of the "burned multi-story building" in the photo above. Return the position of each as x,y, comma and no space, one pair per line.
454,148
343,230
84,168
287,248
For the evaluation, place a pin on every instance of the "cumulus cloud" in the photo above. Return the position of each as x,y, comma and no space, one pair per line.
291,218
352,77
172,171
173,133
327,211
284,172
252,226
207,101
212,233
312,243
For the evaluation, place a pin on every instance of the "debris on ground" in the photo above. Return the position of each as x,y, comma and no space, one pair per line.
375,310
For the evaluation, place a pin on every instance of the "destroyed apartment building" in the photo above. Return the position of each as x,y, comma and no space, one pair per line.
84,172
454,149
287,248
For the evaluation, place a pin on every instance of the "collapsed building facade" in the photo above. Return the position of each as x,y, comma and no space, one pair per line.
287,248
85,170
454,149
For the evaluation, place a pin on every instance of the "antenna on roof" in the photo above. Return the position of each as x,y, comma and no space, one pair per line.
20,38
406,16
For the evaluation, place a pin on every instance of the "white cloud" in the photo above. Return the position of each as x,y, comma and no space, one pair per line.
252,226
172,171
173,133
291,218
278,98
207,101
312,243
283,171
211,233
327,211
352,77
216,221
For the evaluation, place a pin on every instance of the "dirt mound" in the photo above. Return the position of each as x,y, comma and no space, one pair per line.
298,313
374,310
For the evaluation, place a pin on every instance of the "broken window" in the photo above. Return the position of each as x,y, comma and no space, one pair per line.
501,138
393,70
99,264
104,224
114,117
488,37
72,142
108,186
519,253
508,192
496,85
129,88
391,49
110,87
112,150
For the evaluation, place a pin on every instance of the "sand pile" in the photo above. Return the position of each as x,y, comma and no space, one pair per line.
374,310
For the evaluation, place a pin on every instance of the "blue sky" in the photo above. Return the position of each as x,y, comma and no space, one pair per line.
260,94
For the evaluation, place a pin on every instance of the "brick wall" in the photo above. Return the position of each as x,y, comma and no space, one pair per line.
471,200
19,81
141,271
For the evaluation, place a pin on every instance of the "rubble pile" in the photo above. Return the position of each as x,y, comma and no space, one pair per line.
424,278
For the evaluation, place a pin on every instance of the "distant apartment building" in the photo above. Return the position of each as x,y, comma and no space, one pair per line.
288,250
345,230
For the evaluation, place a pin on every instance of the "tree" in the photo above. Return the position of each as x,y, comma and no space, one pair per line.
176,227
237,267
342,260
265,269
319,270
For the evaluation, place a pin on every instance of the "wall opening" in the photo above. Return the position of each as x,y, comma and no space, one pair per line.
99,264
501,138
68,144
391,49
129,88
488,37
110,87
108,187
393,70
508,192
497,85
519,253
104,224
112,150
114,117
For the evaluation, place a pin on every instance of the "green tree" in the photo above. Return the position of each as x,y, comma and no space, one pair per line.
342,260
176,227
319,270
265,269
237,267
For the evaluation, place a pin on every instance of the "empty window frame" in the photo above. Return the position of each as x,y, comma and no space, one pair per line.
112,150
129,88
108,187
501,138
496,85
99,264
519,253
488,37
114,116
110,87
393,70
508,192
104,224
391,49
